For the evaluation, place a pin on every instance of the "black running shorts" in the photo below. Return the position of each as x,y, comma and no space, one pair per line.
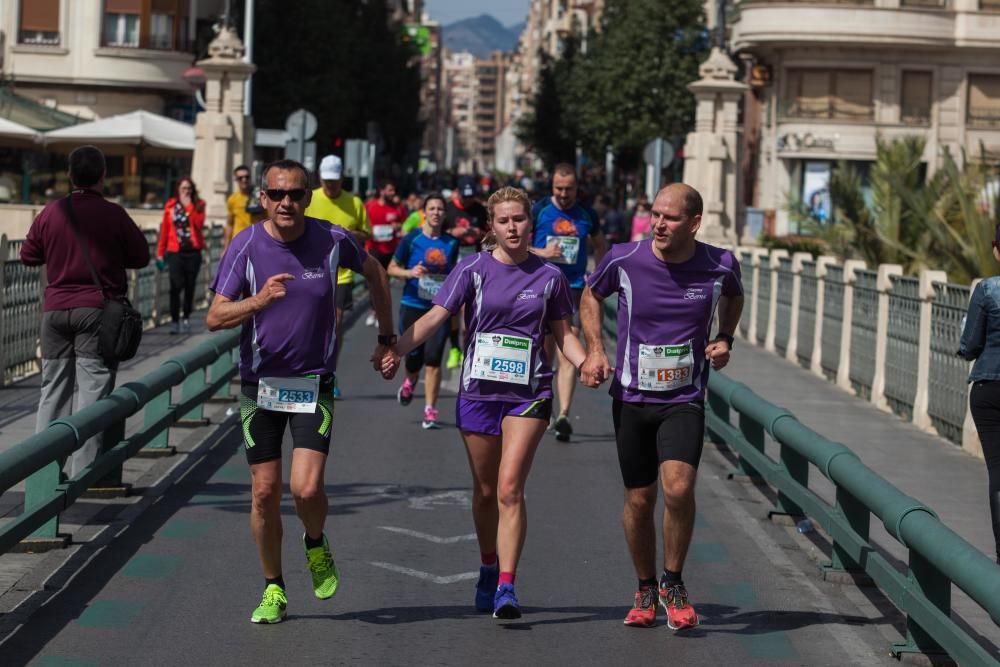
263,430
650,433
345,296
432,350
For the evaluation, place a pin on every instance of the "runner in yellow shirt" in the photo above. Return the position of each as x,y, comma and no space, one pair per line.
244,208
332,203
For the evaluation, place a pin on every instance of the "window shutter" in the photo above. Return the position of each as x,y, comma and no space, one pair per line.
984,100
853,95
915,97
814,95
40,15
123,7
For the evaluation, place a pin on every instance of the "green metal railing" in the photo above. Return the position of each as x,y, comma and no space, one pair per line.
808,292
863,329
938,557
948,371
783,305
903,346
833,320
202,372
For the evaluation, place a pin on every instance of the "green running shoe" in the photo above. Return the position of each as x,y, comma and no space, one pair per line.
323,570
455,358
272,606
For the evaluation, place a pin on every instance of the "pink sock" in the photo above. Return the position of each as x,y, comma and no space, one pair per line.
489,559
506,578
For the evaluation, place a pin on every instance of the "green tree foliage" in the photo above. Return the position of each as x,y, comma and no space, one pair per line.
945,223
344,61
627,88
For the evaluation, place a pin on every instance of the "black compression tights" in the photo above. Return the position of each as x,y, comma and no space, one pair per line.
984,402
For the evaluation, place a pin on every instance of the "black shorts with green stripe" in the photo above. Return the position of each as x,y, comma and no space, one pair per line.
263,430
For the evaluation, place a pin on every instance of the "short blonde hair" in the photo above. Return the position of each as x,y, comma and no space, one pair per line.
508,194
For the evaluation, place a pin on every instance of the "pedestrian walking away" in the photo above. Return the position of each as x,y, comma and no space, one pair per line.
505,394
981,342
668,288
243,207
182,240
72,304
424,259
564,231
386,216
331,202
278,282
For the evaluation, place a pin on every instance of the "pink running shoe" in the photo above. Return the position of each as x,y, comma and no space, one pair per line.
405,393
430,417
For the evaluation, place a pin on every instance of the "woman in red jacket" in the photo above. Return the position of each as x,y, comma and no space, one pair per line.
181,242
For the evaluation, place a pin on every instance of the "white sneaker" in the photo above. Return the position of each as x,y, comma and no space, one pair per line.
186,326
371,321
175,328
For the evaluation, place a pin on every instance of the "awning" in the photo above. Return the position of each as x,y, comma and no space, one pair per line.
10,129
29,113
137,128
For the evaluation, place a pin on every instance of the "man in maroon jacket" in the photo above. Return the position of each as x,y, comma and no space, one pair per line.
72,304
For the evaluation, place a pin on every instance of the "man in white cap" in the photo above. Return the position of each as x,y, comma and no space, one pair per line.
331,202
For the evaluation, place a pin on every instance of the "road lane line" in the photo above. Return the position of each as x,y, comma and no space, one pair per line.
427,576
430,538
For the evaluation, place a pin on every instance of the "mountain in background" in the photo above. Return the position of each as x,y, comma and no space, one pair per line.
481,36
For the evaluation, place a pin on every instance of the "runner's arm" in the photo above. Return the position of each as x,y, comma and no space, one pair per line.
730,310
225,313
378,288
422,329
595,368
568,344
397,271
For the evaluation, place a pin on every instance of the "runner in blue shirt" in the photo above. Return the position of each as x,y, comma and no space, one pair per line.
423,258
564,230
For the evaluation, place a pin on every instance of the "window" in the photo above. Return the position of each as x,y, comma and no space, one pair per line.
826,93
915,98
984,100
147,24
39,22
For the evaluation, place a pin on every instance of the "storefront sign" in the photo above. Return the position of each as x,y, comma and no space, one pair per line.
794,141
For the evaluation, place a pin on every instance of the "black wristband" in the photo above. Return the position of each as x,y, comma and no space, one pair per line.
387,340
726,337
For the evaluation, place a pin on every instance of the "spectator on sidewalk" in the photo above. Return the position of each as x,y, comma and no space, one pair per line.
182,239
981,342
71,306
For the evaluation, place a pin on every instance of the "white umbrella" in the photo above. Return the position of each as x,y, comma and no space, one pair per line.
9,128
136,128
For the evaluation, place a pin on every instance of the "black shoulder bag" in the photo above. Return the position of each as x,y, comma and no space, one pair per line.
121,324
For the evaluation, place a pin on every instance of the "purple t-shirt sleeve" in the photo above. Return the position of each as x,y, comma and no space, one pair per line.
230,280
732,284
560,305
604,280
453,290
351,255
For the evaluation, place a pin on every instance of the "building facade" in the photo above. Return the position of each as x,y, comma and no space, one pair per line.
97,58
828,79
474,107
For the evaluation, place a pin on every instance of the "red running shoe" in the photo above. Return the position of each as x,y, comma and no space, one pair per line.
680,614
643,612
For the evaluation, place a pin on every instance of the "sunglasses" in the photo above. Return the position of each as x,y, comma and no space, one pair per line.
276,195
243,177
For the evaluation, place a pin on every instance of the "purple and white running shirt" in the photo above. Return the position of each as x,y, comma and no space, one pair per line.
296,335
664,314
506,305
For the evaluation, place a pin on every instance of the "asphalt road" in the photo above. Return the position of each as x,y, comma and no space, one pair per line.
178,584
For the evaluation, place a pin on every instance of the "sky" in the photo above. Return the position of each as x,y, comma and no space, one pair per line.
508,12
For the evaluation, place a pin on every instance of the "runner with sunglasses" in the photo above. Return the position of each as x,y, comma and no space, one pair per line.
278,280
511,297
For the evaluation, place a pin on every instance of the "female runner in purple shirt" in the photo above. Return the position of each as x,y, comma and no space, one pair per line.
511,298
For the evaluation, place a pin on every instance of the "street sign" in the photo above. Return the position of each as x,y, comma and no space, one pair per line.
666,152
307,156
301,124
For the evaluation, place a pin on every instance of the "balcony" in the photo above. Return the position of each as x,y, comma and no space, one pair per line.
917,23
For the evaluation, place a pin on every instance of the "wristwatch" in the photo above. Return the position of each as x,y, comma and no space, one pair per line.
726,337
387,340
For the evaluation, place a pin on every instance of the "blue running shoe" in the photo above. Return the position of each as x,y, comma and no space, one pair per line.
486,587
505,604
336,392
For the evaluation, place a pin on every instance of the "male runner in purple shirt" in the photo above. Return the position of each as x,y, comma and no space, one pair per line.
668,290
278,280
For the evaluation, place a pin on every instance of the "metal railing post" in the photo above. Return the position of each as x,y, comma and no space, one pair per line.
755,262
720,407
754,434
816,363
842,567
37,488
936,587
844,365
884,285
193,384
157,408
772,306
791,352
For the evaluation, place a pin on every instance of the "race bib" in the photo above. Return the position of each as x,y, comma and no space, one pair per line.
429,285
665,367
296,394
568,245
383,233
501,358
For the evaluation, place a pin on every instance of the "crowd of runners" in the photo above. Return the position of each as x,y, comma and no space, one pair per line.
508,285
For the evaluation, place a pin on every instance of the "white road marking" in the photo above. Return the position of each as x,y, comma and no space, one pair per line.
430,538
427,576
460,498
